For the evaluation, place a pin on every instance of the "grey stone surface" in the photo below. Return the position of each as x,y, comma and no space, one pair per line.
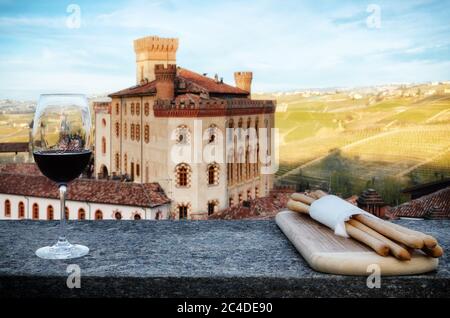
190,259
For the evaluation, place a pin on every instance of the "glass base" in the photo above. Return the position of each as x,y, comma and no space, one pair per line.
62,250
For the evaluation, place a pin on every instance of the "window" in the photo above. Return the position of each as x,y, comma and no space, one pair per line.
147,133
117,109
138,169
117,159
230,201
158,215
137,216
240,198
182,135
125,163
211,207
183,175
138,132
125,109
138,109
50,212
213,174
132,108
35,211
103,145
21,210
117,129
146,109
125,131
256,192
118,215
81,214
182,212
212,132
7,208
249,194
104,122
132,132
98,215
66,213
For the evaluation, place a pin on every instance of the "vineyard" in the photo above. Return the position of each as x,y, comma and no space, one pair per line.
405,139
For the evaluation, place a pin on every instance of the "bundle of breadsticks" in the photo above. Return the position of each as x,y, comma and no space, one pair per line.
382,236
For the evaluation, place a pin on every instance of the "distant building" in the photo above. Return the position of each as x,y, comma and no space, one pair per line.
137,130
420,190
372,202
35,197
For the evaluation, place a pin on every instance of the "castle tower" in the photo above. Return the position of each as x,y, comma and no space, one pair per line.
152,50
244,80
165,81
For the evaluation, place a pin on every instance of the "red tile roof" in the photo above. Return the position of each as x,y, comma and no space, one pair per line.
192,83
14,147
260,208
20,168
434,205
86,190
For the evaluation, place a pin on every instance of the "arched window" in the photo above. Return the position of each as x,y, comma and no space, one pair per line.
230,201
117,161
66,213
212,206
50,212
147,133
182,211
213,174
138,132
183,175
249,194
98,215
138,109
104,122
158,215
35,211
132,132
146,109
125,109
138,170
81,214
103,145
183,136
117,109
256,192
137,216
240,198
132,108
118,215
117,129
21,210
125,163
125,134
7,208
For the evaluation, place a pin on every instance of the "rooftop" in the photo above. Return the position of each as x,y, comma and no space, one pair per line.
86,190
434,205
191,259
13,147
186,82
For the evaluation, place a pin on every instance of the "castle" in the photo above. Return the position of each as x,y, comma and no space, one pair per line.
172,111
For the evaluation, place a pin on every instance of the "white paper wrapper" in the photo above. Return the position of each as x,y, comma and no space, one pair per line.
332,211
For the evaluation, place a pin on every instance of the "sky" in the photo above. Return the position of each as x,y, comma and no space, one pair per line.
87,46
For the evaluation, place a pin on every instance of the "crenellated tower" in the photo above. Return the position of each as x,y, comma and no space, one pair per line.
152,50
244,80
165,81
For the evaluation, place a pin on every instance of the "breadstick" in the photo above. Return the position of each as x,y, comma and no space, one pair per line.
378,246
302,198
297,206
396,250
428,240
435,252
389,232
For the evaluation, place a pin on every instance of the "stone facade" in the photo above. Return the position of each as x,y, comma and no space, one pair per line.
171,110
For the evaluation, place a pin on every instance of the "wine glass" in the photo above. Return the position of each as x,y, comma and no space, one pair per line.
61,140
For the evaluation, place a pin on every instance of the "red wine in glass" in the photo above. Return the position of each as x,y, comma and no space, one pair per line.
61,140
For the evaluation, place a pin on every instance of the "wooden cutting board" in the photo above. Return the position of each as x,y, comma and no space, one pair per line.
326,252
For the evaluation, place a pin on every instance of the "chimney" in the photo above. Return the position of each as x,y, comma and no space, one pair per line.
244,80
152,50
165,81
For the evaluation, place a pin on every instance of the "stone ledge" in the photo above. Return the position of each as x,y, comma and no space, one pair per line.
190,259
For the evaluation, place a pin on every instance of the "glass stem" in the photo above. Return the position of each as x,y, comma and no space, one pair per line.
62,222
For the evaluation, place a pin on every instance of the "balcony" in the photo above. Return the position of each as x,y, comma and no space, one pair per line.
190,259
